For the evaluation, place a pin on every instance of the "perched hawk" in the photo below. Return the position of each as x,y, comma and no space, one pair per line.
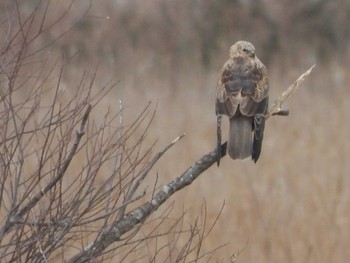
242,95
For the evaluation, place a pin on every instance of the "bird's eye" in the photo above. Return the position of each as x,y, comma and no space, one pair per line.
245,50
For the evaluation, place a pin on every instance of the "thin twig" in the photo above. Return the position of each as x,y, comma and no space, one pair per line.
118,158
276,108
36,198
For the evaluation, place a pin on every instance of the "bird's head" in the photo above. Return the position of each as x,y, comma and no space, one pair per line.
242,49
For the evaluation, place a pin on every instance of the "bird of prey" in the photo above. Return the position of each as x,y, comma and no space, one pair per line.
242,95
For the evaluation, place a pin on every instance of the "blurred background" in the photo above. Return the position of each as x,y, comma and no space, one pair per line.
293,205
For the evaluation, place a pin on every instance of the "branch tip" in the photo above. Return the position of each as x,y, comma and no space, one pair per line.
276,108
178,138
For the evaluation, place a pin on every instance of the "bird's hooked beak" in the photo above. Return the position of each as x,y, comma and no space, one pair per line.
252,53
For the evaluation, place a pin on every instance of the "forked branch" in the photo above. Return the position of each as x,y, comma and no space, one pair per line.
141,213
276,108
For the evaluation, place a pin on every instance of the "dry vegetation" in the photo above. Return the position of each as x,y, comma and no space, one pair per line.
292,206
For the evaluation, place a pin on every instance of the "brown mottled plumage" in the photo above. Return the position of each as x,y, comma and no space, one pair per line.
242,95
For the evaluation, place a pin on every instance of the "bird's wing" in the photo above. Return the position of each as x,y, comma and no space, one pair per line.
257,104
258,128
255,89
227,90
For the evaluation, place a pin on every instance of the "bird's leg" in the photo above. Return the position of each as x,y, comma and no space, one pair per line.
218,133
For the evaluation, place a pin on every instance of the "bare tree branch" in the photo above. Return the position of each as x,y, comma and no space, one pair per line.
139,178
276,108
141,213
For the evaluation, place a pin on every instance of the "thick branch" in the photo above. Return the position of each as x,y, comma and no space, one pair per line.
141,213
136,183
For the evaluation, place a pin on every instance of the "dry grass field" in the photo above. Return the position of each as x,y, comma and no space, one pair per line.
293,205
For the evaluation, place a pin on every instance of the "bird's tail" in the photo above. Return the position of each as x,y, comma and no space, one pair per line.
240,144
